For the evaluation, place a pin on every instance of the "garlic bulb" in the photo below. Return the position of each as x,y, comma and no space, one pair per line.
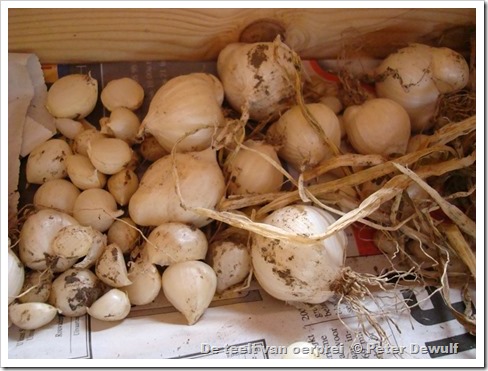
72,96
378,126
109,155
249,172
174,242
258,78
122,124
58,194
230,258
114,305
301,144
36,237
416,75
124,92
124,233
190,287
123,185
96,208
47,161
186,112
83,174
16,275
110,267
37,287
74,290
294,271
31,316
146,282
200,182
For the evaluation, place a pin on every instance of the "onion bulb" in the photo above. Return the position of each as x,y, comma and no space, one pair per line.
200,181
258,78
295,271
185,112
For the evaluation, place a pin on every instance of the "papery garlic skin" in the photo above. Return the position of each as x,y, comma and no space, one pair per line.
31,316
416,75
258,78
186,112
114,305
124,92
190,287
298,272
251,173
74,290
201,183
72,96
301,145
174,242
47,161
16,275
378,126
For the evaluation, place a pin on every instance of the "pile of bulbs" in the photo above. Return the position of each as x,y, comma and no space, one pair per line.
82,251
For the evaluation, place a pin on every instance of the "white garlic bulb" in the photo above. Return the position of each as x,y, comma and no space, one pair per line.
251,173
114,305
74,290
258,78
174,242
302,145
122,124
110,267
186,112
83,174
124,92
16,275
58,194
72,96
190,287
31,316
122,186
97,208
109,155
200,181
47,161
378,126
416,75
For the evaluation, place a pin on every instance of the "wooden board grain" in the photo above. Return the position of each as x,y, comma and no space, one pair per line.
100,35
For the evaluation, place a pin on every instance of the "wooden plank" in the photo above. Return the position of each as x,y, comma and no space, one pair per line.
89,35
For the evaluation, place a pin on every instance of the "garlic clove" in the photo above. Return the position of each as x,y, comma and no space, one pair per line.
110,267
68,127
37,287
146,282
114,305
122,124
151,150
175,242
124,92
450,71
72,96
83,139
47,161
190,287
124,233
74,290
83,174
73,241
58,194
16,275
99,242
123,185
31,316
109,155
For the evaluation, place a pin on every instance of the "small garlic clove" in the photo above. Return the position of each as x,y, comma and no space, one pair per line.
16,275
58,194
146,282
74,290
31,316
190,287
123,185
150,149
37,287
68,127
124,233
73,241
83,139
83,174
123,92
110,267
109,155
122,124
114,305
72,96
47,161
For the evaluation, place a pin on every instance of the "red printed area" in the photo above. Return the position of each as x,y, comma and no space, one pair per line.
363,235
